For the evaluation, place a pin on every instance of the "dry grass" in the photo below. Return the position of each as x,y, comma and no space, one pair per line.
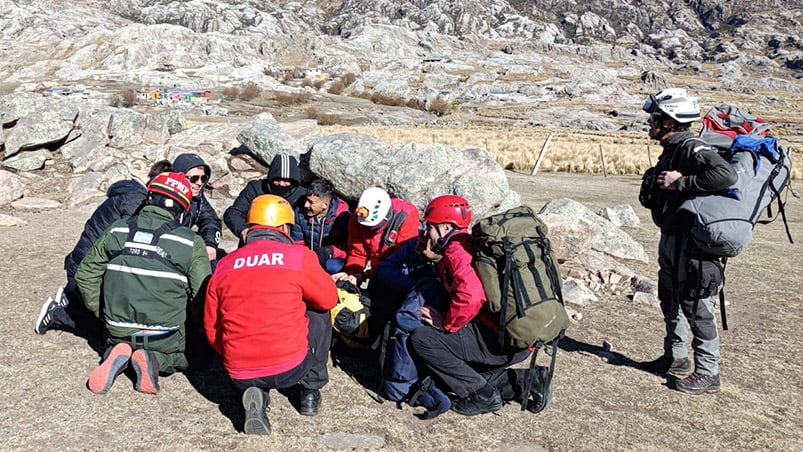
573,151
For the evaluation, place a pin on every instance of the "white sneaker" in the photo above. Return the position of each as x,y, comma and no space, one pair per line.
61,298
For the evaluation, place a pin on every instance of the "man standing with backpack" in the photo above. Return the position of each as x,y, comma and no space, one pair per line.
688,280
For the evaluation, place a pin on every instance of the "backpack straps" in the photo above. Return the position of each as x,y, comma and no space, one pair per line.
722,297
148,238
525,393
395,222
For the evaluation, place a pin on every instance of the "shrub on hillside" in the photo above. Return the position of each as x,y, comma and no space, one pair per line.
348,78
127,99
337,87
230,92
250,92
292,98
439,106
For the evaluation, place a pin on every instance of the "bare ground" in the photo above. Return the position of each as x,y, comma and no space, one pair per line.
601,401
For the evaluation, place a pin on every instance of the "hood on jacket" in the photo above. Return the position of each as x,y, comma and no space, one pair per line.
125,187
284,167
187,161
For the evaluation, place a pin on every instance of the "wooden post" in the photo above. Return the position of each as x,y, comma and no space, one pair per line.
602,158
649,156
541,155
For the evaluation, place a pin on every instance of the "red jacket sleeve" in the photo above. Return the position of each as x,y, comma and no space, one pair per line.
319,291
214,331
357,255
466,289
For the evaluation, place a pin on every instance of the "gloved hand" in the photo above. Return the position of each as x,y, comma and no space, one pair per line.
324,254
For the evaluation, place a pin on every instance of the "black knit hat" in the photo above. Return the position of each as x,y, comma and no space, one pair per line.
188,161
284,167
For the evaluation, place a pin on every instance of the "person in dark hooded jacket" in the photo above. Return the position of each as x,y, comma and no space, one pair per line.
124,199
283,179
201,213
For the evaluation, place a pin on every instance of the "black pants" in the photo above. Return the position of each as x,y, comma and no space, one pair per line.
464,361
312,372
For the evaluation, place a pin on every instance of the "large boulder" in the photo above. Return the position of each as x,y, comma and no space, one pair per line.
609,238
47,124
413,172
264,138
11,188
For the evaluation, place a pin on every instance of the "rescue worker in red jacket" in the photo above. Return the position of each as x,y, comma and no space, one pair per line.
379,226
460,347
267,314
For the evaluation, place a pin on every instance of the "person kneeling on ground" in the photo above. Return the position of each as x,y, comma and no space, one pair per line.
275,334
379,226
67,311
145,278
460,347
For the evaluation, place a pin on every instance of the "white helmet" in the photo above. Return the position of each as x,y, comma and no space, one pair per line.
677,103
373,206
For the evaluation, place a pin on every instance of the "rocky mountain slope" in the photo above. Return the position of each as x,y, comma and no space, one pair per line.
565,64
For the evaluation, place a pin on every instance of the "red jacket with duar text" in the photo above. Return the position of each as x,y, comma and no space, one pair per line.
365,244
461,282
256,302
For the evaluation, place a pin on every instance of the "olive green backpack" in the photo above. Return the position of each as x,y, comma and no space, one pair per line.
521,277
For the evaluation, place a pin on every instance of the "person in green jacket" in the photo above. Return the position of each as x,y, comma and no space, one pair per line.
145,279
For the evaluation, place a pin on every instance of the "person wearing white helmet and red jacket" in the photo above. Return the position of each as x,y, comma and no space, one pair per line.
283,179
379,226
460,346
145,279
688,280
201,213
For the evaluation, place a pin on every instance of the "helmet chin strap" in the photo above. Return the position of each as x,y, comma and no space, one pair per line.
442,241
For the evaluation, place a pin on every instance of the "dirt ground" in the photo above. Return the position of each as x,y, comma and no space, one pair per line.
601,401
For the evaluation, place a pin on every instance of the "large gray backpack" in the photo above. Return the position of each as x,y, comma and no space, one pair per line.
724,221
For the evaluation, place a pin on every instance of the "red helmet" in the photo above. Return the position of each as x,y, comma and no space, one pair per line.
450,209
175,186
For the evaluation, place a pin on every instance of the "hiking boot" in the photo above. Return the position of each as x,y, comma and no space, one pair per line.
46,318
102,378
475,404
147,369
541,390
667,365
698,384
255,402
310,402
61,297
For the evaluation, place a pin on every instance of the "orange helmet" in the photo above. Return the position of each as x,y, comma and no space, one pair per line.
270,210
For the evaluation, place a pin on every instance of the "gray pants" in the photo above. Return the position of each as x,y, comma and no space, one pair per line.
682,314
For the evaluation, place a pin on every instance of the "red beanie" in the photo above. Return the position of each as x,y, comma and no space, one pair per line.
175,186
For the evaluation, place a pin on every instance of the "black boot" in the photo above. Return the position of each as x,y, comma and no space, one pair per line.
255,403
310,402
478,403
698,384
667,365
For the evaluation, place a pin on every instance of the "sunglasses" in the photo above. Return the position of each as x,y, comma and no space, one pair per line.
195,179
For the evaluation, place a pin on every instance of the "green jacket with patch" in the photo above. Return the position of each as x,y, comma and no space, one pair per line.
134,281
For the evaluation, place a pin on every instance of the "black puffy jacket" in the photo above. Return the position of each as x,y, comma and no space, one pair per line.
124,199
282,166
